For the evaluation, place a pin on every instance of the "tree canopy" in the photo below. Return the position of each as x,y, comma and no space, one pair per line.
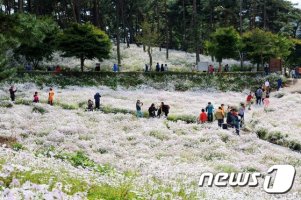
84,41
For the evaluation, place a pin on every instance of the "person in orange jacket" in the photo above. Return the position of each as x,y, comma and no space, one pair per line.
203,116
51,96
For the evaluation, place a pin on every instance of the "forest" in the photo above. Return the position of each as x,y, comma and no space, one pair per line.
254,30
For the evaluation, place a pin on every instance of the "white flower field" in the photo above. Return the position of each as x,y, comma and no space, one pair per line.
64,152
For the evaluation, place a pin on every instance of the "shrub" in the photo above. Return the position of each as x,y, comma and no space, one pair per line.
262,133
17,146
68,106
294,146
39,109
25,102
6,104
185,118
158,135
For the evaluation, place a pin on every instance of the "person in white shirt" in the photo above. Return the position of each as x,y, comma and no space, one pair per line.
267,86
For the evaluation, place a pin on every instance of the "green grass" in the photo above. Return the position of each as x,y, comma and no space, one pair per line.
158,135
186,118
39,109
279,139
183,81
6,104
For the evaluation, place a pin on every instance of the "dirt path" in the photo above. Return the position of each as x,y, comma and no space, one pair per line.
294,86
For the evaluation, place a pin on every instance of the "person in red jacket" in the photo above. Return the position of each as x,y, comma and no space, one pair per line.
36,98
249,100
203,116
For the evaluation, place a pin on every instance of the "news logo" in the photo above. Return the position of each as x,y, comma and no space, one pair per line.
279,179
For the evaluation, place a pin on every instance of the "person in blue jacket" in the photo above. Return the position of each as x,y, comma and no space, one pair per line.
97,100
115,68
279,84
210,110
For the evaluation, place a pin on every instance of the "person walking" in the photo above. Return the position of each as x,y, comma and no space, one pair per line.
267,86
266,103
279,84
235,121
249,100
12,91
209,110
152,111
139,105
51,97
97,100
219,115
241,113
258,96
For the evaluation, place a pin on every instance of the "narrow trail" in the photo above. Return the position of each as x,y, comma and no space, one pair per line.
294,86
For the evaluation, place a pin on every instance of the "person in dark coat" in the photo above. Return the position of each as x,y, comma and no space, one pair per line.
12,92
279,84
152,111
162,68
163,109
230,118
97,100
157,67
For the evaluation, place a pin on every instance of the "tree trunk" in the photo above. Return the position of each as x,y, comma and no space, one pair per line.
195,28
240,17
118,31
82,64
264,15
96,13
149,51
168,29
20,6
76,10
184,24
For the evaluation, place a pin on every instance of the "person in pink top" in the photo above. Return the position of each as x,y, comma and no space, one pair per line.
36,98
266,102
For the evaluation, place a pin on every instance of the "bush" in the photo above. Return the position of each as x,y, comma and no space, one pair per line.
39,109
158,135
17,146
262,133
185,118
6,104
68,106
295,146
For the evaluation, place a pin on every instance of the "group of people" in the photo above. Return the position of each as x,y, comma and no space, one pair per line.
161,68
36,99
91,107
234,117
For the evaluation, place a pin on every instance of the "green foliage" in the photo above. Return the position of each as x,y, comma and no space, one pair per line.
224,43
261,45
185,118
68,106
279,139
39,109
158,135
37,37
17,146
84,41
7,42
6,104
